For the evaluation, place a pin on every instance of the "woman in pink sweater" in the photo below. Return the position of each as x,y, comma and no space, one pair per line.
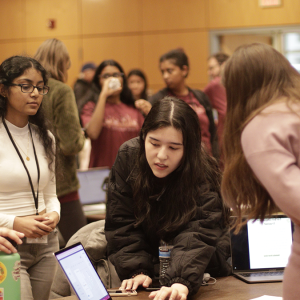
262,143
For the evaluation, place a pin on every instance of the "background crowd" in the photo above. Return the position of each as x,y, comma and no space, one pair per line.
155,144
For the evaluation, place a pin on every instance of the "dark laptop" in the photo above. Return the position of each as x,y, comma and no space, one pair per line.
92,189
260,251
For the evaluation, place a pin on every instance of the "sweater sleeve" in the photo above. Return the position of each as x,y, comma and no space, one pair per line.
271,146
126,244
66,121
217,95
7,221
87,112
50,196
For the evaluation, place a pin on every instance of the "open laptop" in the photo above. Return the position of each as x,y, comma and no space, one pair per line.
82,275
260,251
92,189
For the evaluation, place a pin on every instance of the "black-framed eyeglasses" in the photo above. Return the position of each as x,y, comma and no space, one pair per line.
29,88
107,75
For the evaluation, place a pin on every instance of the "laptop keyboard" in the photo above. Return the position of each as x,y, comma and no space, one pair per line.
255,274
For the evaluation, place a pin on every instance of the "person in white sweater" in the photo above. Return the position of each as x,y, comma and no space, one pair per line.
28,201
262,143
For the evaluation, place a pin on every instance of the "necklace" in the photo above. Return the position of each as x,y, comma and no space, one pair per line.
27,157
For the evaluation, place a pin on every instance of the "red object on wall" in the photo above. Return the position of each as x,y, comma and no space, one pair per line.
51,23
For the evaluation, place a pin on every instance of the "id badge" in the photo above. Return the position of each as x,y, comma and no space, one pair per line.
41,240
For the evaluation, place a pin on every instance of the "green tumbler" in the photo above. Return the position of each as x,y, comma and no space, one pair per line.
10,286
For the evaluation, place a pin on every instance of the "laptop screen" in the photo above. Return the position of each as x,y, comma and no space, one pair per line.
81,273
91,181
264,245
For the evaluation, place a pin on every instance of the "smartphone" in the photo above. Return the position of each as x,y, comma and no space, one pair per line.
154,286
121,293
151,289
11,241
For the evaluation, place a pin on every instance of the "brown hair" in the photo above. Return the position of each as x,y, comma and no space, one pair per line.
220,57
54,57
255,77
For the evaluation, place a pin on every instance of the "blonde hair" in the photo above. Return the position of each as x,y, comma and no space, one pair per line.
254,77
54,57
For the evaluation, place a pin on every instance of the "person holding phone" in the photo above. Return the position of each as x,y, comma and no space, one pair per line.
262,143
28,200
165,187
8,239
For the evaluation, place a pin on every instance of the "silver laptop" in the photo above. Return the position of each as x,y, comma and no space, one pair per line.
260,251
81,274
92,191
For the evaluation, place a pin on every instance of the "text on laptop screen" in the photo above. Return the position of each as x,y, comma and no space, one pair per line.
81,274
90,191
264,245
269,243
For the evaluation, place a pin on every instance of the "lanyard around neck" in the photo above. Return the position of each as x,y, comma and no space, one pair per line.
35,197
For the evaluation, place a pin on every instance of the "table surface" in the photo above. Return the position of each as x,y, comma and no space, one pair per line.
226,288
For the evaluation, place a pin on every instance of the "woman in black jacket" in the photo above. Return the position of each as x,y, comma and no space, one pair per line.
165,187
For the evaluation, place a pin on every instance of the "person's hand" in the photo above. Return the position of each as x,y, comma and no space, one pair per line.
143,105
52,219
106,91
134,283
32,226
5,245
177,291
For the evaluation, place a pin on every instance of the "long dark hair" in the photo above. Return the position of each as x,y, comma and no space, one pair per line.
141,74
255,77
12,68
170,208
126,95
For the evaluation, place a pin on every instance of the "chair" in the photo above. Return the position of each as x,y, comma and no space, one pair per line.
92,237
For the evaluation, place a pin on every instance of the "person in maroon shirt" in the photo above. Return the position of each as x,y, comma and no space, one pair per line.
215,64
217,94
108,115
174,67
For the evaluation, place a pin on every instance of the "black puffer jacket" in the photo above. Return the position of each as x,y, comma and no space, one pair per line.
203,245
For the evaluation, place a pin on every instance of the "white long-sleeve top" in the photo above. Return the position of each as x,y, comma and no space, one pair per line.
16,197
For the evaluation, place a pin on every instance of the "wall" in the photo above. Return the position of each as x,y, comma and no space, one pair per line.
134,32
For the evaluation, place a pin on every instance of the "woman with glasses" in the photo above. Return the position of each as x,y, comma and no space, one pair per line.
61,109
28,201
109,115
